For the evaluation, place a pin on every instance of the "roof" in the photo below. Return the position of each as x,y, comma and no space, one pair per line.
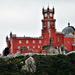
13,35
69,36
59,32
29,37
69,29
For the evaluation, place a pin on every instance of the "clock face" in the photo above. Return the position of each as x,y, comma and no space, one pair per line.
50,14
46,15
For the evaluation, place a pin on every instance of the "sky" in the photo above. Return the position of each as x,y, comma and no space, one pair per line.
23,17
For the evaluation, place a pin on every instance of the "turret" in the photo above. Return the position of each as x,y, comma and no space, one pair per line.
6,38
43,11
48,24
53,10
48,9
10,34
48,13
68,24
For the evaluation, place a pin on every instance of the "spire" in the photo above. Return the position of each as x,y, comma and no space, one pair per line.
48,5
68,23
10,34
43,7
48,8
43,10
53,9
6,38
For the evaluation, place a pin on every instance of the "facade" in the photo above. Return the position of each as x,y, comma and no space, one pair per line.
29,44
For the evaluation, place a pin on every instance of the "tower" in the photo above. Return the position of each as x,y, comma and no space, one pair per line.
48,25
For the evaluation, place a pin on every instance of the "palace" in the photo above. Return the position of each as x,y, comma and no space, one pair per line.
29,44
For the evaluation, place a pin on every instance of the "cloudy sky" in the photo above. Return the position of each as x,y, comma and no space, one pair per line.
23,17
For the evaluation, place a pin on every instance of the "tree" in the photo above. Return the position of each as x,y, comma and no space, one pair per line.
6,51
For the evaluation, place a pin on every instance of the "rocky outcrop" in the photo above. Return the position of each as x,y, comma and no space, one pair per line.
61,49
57,50
29,65
18,52
51,50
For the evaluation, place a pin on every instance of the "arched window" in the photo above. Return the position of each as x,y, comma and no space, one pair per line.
39,41
33,46
28,47
27,41
58,39
20,41
33,41
50,14
38,46
44,25
45,14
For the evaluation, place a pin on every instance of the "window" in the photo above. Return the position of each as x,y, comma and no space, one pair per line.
23,48
58,38
11,43
18,47
33,46
28,47
44,25
68,41
46,15
27,41
45,36
39,41
19,41
50,14
38,46
33,41
51,23
44,41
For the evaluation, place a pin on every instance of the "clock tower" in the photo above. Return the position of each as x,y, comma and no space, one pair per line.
48,25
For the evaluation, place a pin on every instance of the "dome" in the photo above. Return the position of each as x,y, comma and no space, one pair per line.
68,30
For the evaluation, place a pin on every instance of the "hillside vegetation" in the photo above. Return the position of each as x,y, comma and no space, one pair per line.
45,65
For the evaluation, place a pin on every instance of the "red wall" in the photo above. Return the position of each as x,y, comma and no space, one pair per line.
68,43
59,39
23,43
53,36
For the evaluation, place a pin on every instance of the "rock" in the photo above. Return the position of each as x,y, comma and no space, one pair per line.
61,49
18,52
25,67
29,65
21,62
51,50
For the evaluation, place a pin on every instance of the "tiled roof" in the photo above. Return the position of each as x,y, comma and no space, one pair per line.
59,32
29,37
13,35
69,36
68,30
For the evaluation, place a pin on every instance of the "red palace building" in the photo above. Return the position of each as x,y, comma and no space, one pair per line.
48,32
